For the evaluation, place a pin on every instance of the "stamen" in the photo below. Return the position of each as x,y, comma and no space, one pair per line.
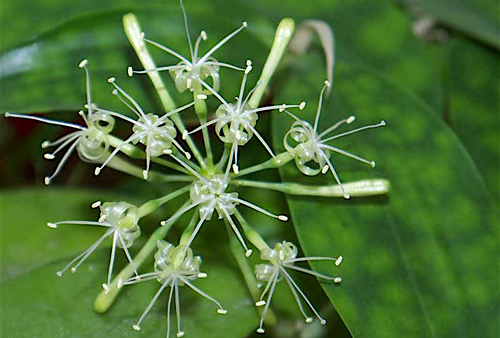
221,43
380,124
41,119
151,303
348,120
132,138
257,208
168,50
124,93
236,231
348,154
320,104
334,173
220,309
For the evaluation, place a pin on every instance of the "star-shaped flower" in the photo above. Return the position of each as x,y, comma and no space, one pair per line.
310,149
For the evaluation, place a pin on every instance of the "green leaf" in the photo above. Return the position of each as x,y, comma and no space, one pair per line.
27,242
417,262
45,69
475,105
38,303
43,305
477,18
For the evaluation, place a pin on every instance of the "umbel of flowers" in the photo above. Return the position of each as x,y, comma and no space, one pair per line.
210,186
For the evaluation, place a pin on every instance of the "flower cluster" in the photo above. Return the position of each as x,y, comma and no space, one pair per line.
210,187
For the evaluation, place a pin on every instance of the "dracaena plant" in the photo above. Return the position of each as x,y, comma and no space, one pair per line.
210,180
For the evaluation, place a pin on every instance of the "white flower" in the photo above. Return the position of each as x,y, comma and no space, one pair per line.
90,141
282,257
188,74
310,149
121,220
209,195
235,122
174,267
156,133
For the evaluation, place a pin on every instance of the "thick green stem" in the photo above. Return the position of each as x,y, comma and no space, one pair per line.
122,165
200,108
362,188
250,233
248,275
105,299
186,234
152,205
281,39
133,32
281,160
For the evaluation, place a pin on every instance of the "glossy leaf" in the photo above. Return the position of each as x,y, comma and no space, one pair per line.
477,18
417,263
45,70
475,105
38,303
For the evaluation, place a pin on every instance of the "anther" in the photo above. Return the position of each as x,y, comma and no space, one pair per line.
351,119
327,84
105,287
244,24
142,35
180,334
283,218
322,322
324,170
73,270
45,144
202,275
222,311
130,71
136,327
236,169
97,171
145,174
59,273
346,196
260,330
184,135
114,92
167,151
309,320
102,218
83,63
201,97
337,280
163,222
46,180
203,35
302,105
372,163
188,155
260,303
382,123
52,225
111,80
96,204
248,253
339,260
49,156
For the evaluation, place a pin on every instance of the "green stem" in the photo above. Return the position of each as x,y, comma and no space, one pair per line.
281,39
224,157
200,108
105,299
133,32
252,235
152,205
362,188
282,159
186,234
248,275
122,165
